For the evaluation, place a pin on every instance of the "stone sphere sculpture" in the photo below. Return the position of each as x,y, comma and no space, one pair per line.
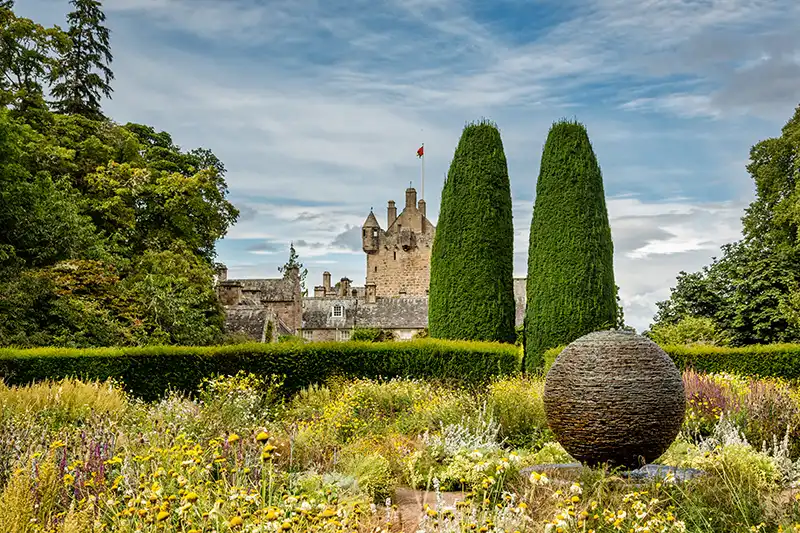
614,397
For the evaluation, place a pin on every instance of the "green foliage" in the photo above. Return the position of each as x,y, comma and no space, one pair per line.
83,73
371,335
688,330
471,290
750,291
373,475
107,232
516,404
294,263
148,372
570,290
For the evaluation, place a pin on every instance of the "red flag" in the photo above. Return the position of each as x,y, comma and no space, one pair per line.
421,151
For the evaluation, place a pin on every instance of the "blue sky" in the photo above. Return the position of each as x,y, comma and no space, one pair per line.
317,109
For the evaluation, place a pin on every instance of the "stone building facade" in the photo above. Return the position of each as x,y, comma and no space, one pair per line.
394,296
261,309
399,258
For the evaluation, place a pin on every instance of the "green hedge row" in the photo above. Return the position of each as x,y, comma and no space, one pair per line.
149,372
772,360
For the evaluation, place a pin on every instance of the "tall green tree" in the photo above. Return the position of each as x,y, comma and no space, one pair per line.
570,288
472,260
84,74
751,292
27,52
294,262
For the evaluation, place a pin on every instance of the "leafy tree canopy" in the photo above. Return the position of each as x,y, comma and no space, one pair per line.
752,292
107,231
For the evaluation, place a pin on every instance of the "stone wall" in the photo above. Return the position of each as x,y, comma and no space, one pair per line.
401,264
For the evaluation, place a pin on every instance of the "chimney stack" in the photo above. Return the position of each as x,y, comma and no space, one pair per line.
344,287
392,213
421,205
326,282
411,198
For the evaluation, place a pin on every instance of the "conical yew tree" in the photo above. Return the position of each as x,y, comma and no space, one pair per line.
472,260
570,288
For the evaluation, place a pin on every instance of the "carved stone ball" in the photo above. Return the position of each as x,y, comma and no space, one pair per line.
614,397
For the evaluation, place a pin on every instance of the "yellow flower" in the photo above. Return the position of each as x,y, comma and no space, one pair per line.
162,515
236,521
192,497
69,479
233,438
262,436
286,526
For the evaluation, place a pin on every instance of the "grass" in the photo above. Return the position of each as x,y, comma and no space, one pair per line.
243,455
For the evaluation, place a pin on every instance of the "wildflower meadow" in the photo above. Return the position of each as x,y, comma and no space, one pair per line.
243,454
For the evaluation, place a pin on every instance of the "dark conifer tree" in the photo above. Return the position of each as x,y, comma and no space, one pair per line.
84,75
472,259
571,288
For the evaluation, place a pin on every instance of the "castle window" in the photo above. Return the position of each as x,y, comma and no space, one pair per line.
395,256
342,334
338,311
376,269
375,232
308,334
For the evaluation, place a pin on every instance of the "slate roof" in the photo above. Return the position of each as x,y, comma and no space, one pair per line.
386,313
394,313
255,291
318,313
248,320
252,321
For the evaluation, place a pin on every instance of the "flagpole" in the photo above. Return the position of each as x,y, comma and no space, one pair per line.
422,192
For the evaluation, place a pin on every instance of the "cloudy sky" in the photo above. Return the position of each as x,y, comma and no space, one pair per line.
317,108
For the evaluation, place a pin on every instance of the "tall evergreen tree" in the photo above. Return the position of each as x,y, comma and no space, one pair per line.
571,288
83,74
294,262
472,260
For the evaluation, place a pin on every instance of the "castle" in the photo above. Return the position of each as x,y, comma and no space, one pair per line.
394,296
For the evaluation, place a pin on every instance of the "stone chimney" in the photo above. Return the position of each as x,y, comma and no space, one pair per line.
411,198
319,291
222,272
421,205
391,213
344,287
326,282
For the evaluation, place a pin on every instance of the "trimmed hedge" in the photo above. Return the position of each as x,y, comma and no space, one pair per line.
769,360
472,256
150,371
570,287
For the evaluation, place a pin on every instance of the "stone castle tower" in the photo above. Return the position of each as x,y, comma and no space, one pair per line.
399,258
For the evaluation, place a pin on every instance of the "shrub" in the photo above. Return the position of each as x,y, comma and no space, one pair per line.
688,331
148,372
372,335
373,475
472,258
63,401
570,286
516,404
